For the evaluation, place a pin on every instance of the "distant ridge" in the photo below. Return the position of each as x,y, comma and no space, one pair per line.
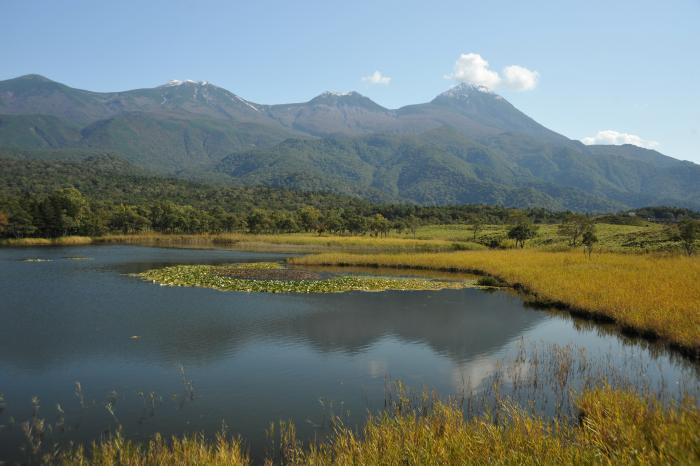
468,144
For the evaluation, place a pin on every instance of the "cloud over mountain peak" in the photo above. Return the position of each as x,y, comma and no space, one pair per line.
472,68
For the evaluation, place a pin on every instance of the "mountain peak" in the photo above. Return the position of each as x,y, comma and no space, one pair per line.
465,95
179,91
178,82
346,99
465,90
336,95
35,77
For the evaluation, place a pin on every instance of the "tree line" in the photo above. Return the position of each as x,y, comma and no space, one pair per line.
67,211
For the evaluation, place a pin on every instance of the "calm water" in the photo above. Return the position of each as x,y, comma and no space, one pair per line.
252,358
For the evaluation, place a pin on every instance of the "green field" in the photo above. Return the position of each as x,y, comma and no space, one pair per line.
647,237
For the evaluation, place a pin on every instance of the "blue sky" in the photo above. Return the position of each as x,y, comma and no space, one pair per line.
632,67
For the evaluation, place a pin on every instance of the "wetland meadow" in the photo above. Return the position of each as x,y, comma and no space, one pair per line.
367,234
141,354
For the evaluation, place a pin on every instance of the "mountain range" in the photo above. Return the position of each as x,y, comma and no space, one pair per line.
467,145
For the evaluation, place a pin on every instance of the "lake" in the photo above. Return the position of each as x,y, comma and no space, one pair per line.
177,360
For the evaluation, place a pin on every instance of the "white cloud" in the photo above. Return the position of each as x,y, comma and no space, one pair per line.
520,78
377,78
610,136
472,68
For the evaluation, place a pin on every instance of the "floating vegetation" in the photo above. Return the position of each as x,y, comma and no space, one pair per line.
272,277
69,258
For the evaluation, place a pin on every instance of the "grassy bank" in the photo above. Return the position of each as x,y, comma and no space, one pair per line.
61,241
653,295
615,427
293,242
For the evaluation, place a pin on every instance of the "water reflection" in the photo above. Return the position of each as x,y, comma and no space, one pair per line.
71,311
459,324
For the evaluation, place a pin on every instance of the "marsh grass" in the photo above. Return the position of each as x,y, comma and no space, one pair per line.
656,296
612,427
61,241
615,427
542,403
219,277
193,449
292,242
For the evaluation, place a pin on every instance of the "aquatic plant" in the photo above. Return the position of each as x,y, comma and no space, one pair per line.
216,277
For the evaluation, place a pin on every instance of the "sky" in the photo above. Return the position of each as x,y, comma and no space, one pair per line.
600,71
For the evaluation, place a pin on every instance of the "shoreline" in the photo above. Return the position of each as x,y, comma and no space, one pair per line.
529,293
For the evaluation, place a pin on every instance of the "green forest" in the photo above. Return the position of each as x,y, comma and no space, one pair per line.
103,194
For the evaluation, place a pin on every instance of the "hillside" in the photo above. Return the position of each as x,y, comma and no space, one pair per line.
181,125
443,167
108,179
467,145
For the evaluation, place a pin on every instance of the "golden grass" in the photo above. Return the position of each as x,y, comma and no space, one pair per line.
292,242
653,294
61,241
192,450
615,427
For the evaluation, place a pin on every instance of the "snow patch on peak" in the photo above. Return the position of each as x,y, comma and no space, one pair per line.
178,82
464,90
338,94
245,102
